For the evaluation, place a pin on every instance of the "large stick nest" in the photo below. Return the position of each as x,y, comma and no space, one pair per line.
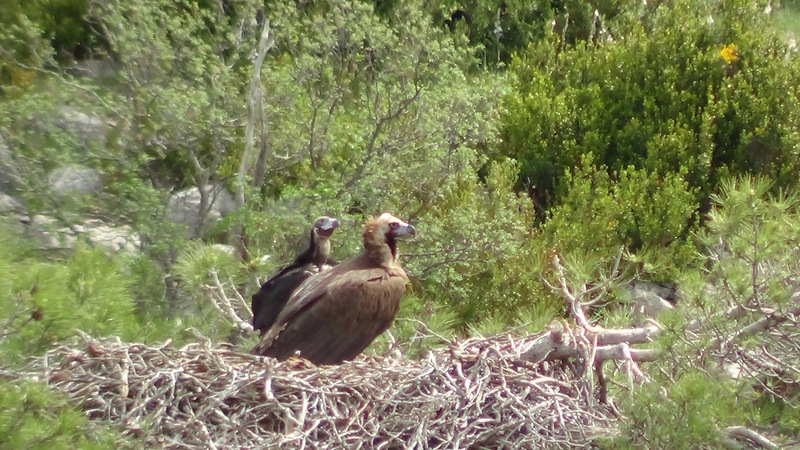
476,393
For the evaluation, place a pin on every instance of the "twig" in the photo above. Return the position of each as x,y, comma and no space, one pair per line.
475,393
742,433
222,304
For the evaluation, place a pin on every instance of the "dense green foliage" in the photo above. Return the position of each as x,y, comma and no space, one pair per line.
43,302
752,266
689,414
505,133
688,96
31,417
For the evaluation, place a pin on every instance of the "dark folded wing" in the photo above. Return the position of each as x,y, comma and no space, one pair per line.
334,316
270,300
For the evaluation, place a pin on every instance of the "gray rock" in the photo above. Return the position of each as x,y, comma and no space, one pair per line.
75,180
116,239
225,248
185,208
10,204
46,231
9,175
734,371
649,298
87,130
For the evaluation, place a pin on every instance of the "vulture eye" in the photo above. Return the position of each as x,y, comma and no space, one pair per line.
394,225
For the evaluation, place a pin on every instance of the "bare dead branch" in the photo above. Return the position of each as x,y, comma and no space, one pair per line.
221,302
572,299
556,344
254,111
753,437
254,116
761,325
475,393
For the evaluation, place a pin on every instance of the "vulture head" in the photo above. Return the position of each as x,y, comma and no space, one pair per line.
325,225
320,244
380,237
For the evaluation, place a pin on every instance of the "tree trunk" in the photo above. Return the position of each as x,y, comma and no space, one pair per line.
254,115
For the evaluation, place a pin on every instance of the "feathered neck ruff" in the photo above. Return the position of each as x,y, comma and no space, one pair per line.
380,245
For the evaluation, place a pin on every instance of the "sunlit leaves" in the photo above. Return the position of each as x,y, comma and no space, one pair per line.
659,111
33,417
44,302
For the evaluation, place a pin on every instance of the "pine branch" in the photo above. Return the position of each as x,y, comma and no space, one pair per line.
221,302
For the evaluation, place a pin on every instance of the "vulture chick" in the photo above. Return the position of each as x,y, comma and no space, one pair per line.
335,315
275,292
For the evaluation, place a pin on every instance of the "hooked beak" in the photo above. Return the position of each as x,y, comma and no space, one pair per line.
405,230
326,226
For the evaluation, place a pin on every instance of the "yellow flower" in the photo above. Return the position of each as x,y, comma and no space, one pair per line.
728,53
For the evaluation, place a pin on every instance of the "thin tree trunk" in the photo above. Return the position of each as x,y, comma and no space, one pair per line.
254,111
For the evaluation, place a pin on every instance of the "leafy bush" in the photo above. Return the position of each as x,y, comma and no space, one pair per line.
63,22
643,212
477,252
730,348
45,302
682,97
689,413
499,31
33,417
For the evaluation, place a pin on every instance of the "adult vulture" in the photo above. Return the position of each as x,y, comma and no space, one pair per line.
275,292
335,315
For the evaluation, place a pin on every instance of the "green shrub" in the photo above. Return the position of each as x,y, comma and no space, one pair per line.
46,301
33,417
689,413
499,30
683,96
729,320
36,33
477,251
641,211
63,22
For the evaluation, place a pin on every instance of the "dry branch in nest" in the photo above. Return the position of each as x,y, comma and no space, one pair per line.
241,315
501,392
479,392
542,391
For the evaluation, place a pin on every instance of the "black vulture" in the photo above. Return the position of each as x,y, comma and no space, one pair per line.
275,292
334,316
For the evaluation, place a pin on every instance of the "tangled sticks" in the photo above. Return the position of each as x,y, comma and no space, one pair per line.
475,393
543,391
502,392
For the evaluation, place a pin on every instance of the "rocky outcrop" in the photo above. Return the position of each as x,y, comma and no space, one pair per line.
87,130
75,179
9,204
49,234
650,298
9,175
186,208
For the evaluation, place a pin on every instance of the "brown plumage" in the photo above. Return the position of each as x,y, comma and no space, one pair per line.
334,316
269,301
